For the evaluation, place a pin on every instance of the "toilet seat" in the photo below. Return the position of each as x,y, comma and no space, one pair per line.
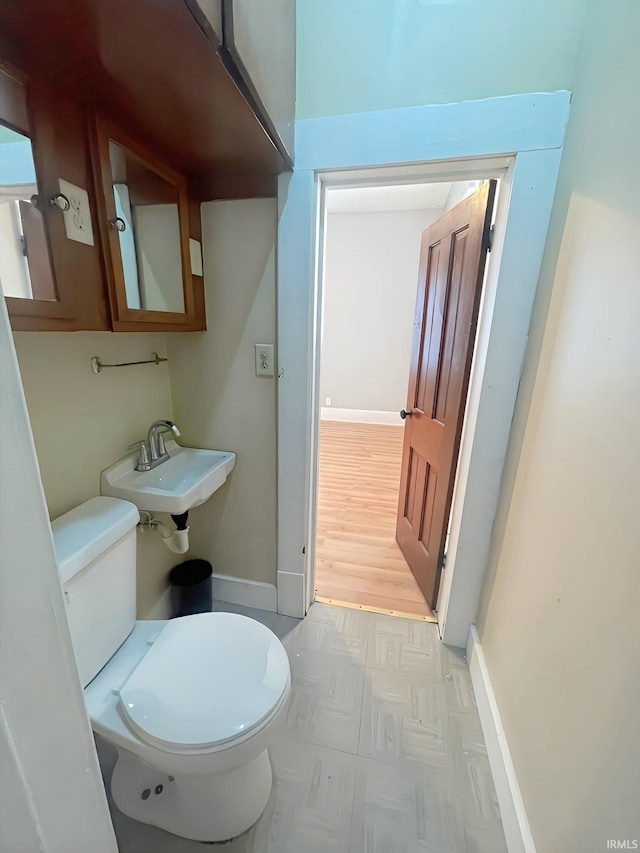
207,680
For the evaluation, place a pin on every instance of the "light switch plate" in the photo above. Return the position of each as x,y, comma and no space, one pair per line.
195,252
264,359
77,220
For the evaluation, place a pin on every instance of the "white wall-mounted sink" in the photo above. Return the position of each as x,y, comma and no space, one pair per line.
187,479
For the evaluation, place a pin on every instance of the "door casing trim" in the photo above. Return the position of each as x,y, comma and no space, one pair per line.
521,137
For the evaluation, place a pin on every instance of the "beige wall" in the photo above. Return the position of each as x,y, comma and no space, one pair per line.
82,422
219,402
559,619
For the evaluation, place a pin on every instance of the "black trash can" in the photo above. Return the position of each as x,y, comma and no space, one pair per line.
191,588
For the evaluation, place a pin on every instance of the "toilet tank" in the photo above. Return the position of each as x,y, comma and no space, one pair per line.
95,546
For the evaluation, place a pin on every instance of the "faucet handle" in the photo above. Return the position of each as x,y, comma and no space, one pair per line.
141,446
162,450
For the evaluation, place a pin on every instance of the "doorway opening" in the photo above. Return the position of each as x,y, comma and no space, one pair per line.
382,515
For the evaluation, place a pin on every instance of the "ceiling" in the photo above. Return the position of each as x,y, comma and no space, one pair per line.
385,198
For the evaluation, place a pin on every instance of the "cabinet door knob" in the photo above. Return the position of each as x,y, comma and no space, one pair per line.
60,201
119,224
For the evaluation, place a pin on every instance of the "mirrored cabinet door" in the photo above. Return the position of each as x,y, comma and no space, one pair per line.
148,227
26,271
25,266
146,234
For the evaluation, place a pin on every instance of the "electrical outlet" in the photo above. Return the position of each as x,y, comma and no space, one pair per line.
264,359
327,401
77,220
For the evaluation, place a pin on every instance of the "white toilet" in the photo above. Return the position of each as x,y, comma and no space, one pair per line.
190,704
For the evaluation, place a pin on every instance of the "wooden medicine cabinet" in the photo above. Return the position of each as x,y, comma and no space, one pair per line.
218,122
143,216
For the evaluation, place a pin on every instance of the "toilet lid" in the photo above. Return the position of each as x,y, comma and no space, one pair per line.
207,679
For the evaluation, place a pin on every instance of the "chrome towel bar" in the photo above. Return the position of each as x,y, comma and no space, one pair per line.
98,366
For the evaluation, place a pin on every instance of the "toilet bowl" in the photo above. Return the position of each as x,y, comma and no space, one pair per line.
190,704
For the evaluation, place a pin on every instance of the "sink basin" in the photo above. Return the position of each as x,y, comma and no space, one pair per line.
187,479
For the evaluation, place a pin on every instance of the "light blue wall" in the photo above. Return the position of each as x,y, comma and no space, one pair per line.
363,55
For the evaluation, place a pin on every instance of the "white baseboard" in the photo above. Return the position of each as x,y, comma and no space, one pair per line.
262,596
360,416
291,594
514,817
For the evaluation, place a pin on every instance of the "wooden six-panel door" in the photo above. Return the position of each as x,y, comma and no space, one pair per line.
452,263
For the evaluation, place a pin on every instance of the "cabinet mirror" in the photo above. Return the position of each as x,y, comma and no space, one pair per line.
146,233
25,268
25,265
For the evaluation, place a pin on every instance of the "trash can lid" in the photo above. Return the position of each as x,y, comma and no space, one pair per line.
190,573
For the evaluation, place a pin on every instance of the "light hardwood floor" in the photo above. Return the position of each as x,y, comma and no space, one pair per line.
357,559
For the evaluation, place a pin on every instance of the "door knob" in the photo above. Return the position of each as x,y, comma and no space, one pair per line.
404,414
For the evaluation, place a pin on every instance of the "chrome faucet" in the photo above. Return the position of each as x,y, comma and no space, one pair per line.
155,440
152,452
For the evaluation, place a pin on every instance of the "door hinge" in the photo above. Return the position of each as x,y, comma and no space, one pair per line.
443,561
492,231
